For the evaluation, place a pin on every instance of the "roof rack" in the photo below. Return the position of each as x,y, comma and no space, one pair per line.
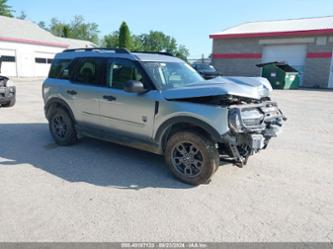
116,50
148,52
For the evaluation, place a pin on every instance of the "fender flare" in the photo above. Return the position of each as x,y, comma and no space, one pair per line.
58,101
190,120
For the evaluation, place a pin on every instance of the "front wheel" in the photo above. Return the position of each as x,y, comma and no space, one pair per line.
192,157
10,103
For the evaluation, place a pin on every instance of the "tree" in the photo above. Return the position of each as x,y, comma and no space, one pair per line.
66,31
182,52
111,40
76,29
42,25
136,43
57,27
157,41
79,29
124,36
22,15
5,9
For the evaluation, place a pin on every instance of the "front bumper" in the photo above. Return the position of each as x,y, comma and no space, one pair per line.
251,128
255,118
7,95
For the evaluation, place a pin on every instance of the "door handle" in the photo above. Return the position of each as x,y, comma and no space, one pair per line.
71,92
110,98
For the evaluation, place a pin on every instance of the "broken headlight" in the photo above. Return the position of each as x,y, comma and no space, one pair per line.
247,119
235,122
11,87
252,117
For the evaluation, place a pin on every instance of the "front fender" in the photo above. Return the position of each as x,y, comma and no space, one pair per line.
185,120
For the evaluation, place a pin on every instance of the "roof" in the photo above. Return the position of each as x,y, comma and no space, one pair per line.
292,27
74,43
105,53
25,31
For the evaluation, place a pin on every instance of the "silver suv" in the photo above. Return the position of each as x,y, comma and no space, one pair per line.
158,103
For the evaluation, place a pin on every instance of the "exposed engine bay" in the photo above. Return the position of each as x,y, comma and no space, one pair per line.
252,126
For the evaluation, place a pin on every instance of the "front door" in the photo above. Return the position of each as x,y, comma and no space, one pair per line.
127,113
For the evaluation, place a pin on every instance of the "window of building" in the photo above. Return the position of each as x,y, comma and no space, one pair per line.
5,58
41,60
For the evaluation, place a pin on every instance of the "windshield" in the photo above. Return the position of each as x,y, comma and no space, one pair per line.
172,74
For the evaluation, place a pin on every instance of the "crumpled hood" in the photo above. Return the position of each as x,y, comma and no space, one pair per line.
247,87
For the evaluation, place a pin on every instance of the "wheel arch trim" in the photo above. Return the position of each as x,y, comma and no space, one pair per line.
58,101
185,119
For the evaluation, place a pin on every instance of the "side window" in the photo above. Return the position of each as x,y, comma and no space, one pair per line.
90,71
122,71
57,69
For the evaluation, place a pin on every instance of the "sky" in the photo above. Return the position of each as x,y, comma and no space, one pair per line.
189,21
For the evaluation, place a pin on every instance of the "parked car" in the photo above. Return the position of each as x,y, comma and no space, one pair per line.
206,71
7,91
158,103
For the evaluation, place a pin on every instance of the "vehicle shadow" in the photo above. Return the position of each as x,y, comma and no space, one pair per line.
311,89
91,161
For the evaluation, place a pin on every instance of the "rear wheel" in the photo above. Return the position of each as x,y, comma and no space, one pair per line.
192,158
62,127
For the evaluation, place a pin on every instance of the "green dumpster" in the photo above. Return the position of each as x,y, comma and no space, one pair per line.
281,75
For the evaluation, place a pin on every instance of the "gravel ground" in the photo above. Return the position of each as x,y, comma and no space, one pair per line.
97,191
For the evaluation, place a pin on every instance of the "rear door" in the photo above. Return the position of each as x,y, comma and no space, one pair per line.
86,89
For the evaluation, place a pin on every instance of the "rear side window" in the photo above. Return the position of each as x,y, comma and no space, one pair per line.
58,67
90,71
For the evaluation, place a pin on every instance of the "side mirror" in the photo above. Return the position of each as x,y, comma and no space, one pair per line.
134,86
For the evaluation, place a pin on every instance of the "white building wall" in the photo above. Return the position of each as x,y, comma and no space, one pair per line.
26,54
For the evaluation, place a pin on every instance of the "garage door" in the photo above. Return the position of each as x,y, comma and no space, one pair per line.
294,55
42,63
8,67
330,83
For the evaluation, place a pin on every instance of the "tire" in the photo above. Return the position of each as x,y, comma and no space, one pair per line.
62,128
10,103
191,157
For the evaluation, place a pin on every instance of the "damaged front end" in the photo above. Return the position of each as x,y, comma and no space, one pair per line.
7,92
251,128
253,118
